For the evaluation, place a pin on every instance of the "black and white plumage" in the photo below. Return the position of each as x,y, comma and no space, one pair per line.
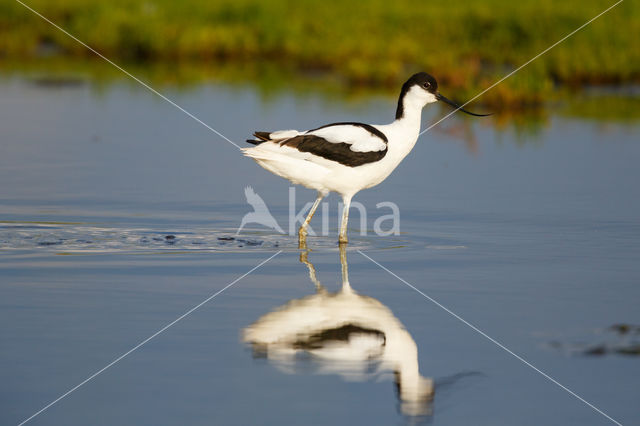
347,157
350,144
344,333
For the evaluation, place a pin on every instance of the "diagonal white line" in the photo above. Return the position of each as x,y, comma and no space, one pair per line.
500,345
237,146
522,66
67,393
131,75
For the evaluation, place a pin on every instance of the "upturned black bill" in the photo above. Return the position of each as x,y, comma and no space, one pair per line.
456,106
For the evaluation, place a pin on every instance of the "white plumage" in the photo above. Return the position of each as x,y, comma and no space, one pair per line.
284,134
360,139
347,157
345,333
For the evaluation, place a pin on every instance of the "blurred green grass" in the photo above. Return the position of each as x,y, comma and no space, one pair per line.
466,45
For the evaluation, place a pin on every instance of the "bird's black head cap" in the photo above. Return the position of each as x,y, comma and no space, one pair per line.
424,81
428,83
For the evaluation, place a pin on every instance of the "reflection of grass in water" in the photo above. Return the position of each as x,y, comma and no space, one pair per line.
604,108
271,81
466,45
269,78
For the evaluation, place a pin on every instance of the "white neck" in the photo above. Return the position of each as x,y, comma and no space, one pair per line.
412,115
405,130
412,103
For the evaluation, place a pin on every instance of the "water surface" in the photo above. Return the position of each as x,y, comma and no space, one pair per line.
118,214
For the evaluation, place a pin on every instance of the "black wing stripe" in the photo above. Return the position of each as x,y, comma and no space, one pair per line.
367,127
339,152
262,135
344,333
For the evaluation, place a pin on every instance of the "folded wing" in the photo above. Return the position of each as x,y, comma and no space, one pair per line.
350,144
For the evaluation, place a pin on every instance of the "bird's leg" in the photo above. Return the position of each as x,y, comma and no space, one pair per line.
302,233
342,239
304,258
345,268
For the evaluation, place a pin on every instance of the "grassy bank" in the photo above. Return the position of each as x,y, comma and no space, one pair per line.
467,45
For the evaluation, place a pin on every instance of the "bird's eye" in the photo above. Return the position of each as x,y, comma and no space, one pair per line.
426,85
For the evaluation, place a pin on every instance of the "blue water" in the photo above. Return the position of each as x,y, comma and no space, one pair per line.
117,214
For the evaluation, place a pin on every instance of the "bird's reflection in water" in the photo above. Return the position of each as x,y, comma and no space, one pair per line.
344,333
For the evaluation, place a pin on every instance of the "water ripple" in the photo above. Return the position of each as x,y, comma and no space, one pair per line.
87,238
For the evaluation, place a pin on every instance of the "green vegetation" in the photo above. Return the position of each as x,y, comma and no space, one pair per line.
466,45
